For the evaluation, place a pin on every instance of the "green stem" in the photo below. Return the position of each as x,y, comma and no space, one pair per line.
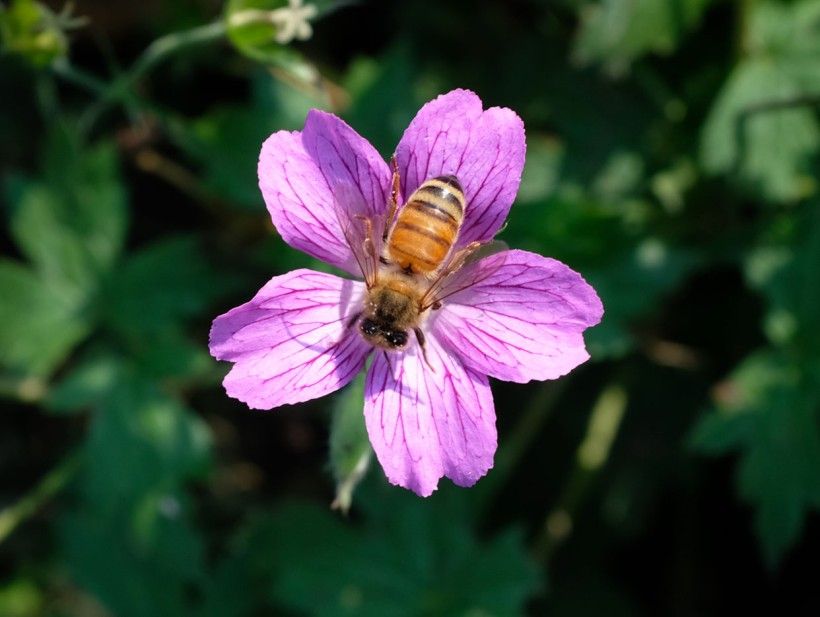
527,428
12,516
70,73
591,456
165,46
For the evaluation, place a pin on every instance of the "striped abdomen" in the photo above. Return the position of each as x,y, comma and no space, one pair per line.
427,226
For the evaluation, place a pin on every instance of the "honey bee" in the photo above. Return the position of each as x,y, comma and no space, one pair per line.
405,273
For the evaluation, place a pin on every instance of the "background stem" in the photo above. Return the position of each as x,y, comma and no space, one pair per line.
121,88
17,513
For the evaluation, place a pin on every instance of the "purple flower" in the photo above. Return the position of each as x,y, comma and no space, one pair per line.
512,315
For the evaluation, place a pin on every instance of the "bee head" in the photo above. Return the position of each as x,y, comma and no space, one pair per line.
381,335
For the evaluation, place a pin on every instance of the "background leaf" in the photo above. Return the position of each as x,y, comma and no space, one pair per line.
53,321
411,558
72,224
746,131
616,32
768,416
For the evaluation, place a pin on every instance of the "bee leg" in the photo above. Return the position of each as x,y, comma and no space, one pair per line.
394,198
421,340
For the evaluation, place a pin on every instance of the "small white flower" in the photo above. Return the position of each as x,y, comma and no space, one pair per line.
293,21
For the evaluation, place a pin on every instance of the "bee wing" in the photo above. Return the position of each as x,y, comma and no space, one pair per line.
487,249
452,280
361,230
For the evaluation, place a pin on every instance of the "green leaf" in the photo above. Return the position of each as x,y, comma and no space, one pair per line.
768,414
142,444
157,287
21,597
39,324
227,592
147,568
759,126
71,223
617,32
226,141
91,380
412,557
785,269
769,147
350,450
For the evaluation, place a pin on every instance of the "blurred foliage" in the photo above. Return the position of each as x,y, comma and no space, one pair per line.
672,160
407,557
617,32
32,30
746,128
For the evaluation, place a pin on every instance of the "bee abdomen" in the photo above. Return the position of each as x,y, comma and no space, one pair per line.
427,225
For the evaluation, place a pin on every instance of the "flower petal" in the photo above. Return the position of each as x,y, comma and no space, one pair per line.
428,421
311,180
484,149
291,342
523,321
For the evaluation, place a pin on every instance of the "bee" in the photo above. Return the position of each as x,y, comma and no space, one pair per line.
405,273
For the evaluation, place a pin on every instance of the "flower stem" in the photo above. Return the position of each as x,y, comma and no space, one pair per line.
17,513
527,428
593,452
70,73
155,53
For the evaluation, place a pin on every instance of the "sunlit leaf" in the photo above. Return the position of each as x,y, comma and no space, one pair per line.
21,597
760,125
141,444
86,385
617,32
71,223
39,324
768,146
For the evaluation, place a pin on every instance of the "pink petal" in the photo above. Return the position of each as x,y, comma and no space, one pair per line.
428,421
523,321
311,180
291,343
484,149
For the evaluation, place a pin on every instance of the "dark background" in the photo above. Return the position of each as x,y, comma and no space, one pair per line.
672,160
